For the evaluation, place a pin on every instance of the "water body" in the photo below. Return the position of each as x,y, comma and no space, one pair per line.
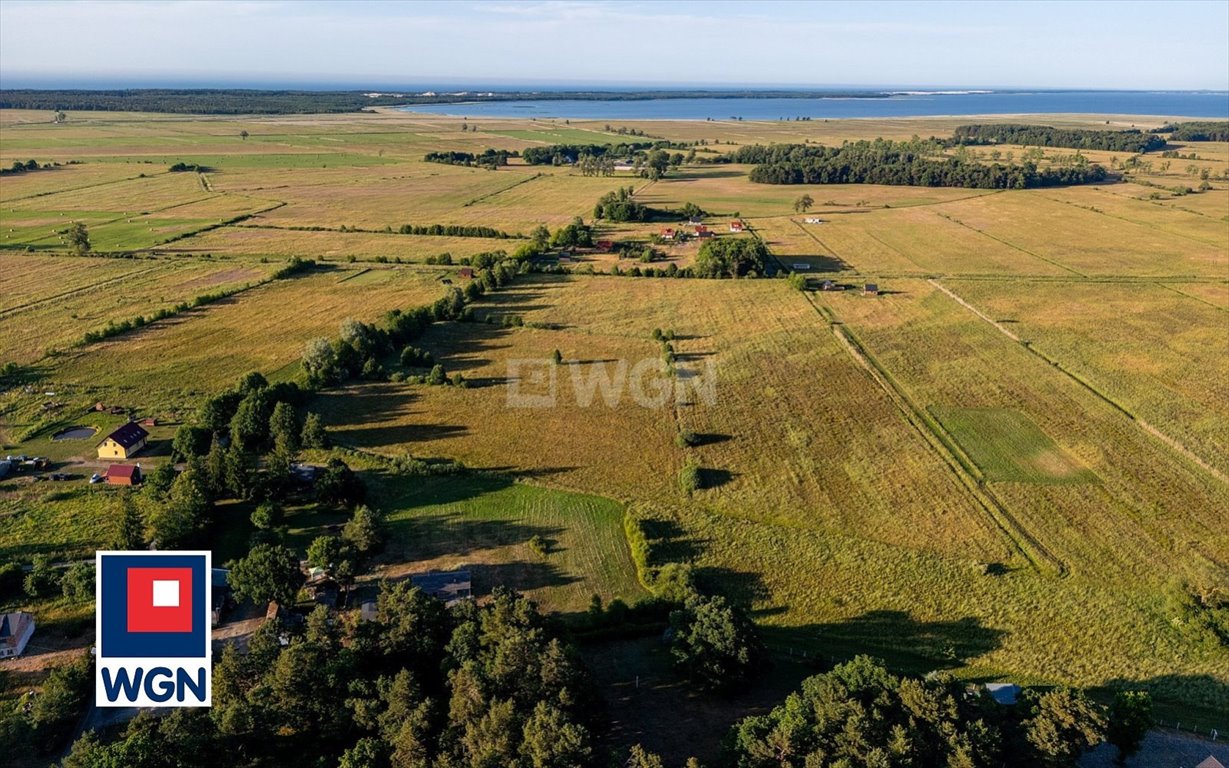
1204,104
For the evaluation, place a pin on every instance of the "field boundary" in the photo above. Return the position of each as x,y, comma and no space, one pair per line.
948,449
1063,267
83,289
1171,442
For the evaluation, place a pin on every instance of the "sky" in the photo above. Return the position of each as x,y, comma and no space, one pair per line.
1173,45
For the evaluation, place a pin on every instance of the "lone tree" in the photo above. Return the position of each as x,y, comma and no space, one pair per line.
79,238
715,644
1130,718
270,572
803,204
243,135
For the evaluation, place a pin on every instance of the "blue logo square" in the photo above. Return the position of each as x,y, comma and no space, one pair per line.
117,642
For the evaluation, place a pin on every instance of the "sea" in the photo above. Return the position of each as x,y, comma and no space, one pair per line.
1198,104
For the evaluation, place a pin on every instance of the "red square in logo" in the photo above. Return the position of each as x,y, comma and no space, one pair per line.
159,599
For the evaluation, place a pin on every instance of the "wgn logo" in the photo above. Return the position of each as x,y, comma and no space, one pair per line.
152,626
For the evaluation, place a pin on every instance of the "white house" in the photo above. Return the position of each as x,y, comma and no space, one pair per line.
15,632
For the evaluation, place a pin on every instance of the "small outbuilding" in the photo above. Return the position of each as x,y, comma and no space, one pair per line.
369,611
467,273
124,474
827,285
737,226
219,578
15,631
448,586
1004,693
871,289
124,442
667,234
605,246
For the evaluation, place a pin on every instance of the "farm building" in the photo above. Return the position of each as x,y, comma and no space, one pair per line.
605,246
150,422
871,289
814,220
448,586
124,442
124,474
15,631
736,226
695,221
667,234
467,273
703,232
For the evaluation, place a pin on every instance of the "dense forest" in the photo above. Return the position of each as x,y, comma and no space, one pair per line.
1209,130
235,101
1048,136
899,163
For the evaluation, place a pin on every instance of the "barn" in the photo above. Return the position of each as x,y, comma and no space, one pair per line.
124,442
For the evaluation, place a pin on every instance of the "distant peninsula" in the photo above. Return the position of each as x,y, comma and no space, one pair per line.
236,101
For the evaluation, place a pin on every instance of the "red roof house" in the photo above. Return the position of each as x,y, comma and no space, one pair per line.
124,474
736,226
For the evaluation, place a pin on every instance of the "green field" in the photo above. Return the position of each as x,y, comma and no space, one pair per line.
1007,446
997,466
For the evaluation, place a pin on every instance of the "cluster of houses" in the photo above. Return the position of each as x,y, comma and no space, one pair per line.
699,230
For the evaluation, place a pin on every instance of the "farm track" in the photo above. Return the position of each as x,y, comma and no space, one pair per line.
1170,442
514,185
945,446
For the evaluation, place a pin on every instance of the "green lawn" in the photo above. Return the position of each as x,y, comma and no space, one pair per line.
1007,446
487,523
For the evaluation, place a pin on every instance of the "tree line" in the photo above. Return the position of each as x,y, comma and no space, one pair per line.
490,158
360,348
1047,136
899,163
1211,130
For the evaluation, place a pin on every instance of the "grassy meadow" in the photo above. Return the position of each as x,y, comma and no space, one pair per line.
996,466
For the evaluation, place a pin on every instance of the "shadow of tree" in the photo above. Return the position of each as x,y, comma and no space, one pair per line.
904,641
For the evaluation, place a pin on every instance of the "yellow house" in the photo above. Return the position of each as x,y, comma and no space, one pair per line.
124,442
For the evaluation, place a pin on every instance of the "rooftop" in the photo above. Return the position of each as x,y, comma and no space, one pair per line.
128,435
